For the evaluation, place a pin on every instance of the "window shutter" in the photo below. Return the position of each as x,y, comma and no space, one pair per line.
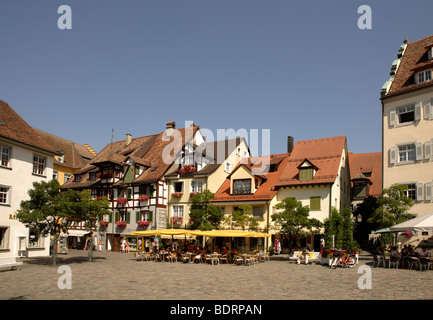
420,191
428,191
427,110
150,216
392,118
110,217
393,155
428,149
418,147
418,111
137,216
128,217
117,216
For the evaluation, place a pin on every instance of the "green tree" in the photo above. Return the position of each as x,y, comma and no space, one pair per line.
243,218
393,206
294,220
52,211
332,233
46,210
204,215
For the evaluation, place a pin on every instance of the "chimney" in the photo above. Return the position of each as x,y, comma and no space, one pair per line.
170,127
290,144
128,139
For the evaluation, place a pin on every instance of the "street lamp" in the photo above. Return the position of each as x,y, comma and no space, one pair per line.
359,218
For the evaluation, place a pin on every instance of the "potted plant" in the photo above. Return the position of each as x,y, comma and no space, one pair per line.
193,194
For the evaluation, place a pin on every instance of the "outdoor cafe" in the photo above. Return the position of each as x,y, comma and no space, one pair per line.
195,246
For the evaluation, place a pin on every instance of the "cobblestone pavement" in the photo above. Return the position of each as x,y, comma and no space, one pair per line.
119,276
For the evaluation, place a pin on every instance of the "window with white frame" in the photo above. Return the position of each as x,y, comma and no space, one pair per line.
227,166
55,174
424,76
35,238
38,165
178,211
5,195
66,177
196,186
406,114
5,156
410,192
406,153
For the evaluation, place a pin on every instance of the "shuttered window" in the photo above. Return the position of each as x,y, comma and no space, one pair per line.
315,203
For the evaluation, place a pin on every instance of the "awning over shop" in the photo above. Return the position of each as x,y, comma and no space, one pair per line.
421,223
77,233
212,233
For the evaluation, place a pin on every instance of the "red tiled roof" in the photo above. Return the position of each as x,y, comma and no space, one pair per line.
75,156
414,59
325,154
13,127
361,163
146,150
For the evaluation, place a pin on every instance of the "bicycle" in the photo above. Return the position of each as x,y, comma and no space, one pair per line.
343,259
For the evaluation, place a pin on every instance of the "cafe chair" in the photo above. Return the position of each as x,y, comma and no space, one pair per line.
394,261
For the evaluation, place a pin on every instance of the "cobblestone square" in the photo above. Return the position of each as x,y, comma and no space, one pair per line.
118,276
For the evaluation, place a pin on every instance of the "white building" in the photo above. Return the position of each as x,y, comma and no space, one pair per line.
24,159
407,123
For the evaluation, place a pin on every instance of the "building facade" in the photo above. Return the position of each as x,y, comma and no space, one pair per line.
25,158
407,123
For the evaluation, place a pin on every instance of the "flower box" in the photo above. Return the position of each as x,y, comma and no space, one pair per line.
103,224
177,194
176,220
121,200
121,224
187,169
143,197
193,194
142,223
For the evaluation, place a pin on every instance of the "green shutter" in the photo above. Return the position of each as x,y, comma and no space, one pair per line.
128,217
117,216
137,216
110,219
150,216
315,203
142,190
128,193
151,191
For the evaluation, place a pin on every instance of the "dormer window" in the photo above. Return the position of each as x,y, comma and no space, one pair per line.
424,76
242,186
307,171
77,178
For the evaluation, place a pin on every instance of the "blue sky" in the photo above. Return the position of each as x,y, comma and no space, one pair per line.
300,68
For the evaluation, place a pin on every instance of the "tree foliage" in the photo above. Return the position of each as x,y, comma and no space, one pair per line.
294,219
52,211
243,218
204,215
393,205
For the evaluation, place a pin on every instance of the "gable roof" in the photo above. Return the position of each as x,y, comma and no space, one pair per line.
218,151
266,190
75,155
325,154
414,59
362,163
14,128
147,151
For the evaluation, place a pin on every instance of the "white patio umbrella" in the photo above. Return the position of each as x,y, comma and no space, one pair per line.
421,223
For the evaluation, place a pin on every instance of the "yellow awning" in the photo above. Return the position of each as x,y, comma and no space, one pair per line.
230,233
160,232
212,233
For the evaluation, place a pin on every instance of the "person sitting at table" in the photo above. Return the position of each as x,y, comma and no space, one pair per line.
217,249
394,252
410,250
404,251
423,253
304,255
225,250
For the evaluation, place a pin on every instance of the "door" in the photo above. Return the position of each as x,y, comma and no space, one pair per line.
116,242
